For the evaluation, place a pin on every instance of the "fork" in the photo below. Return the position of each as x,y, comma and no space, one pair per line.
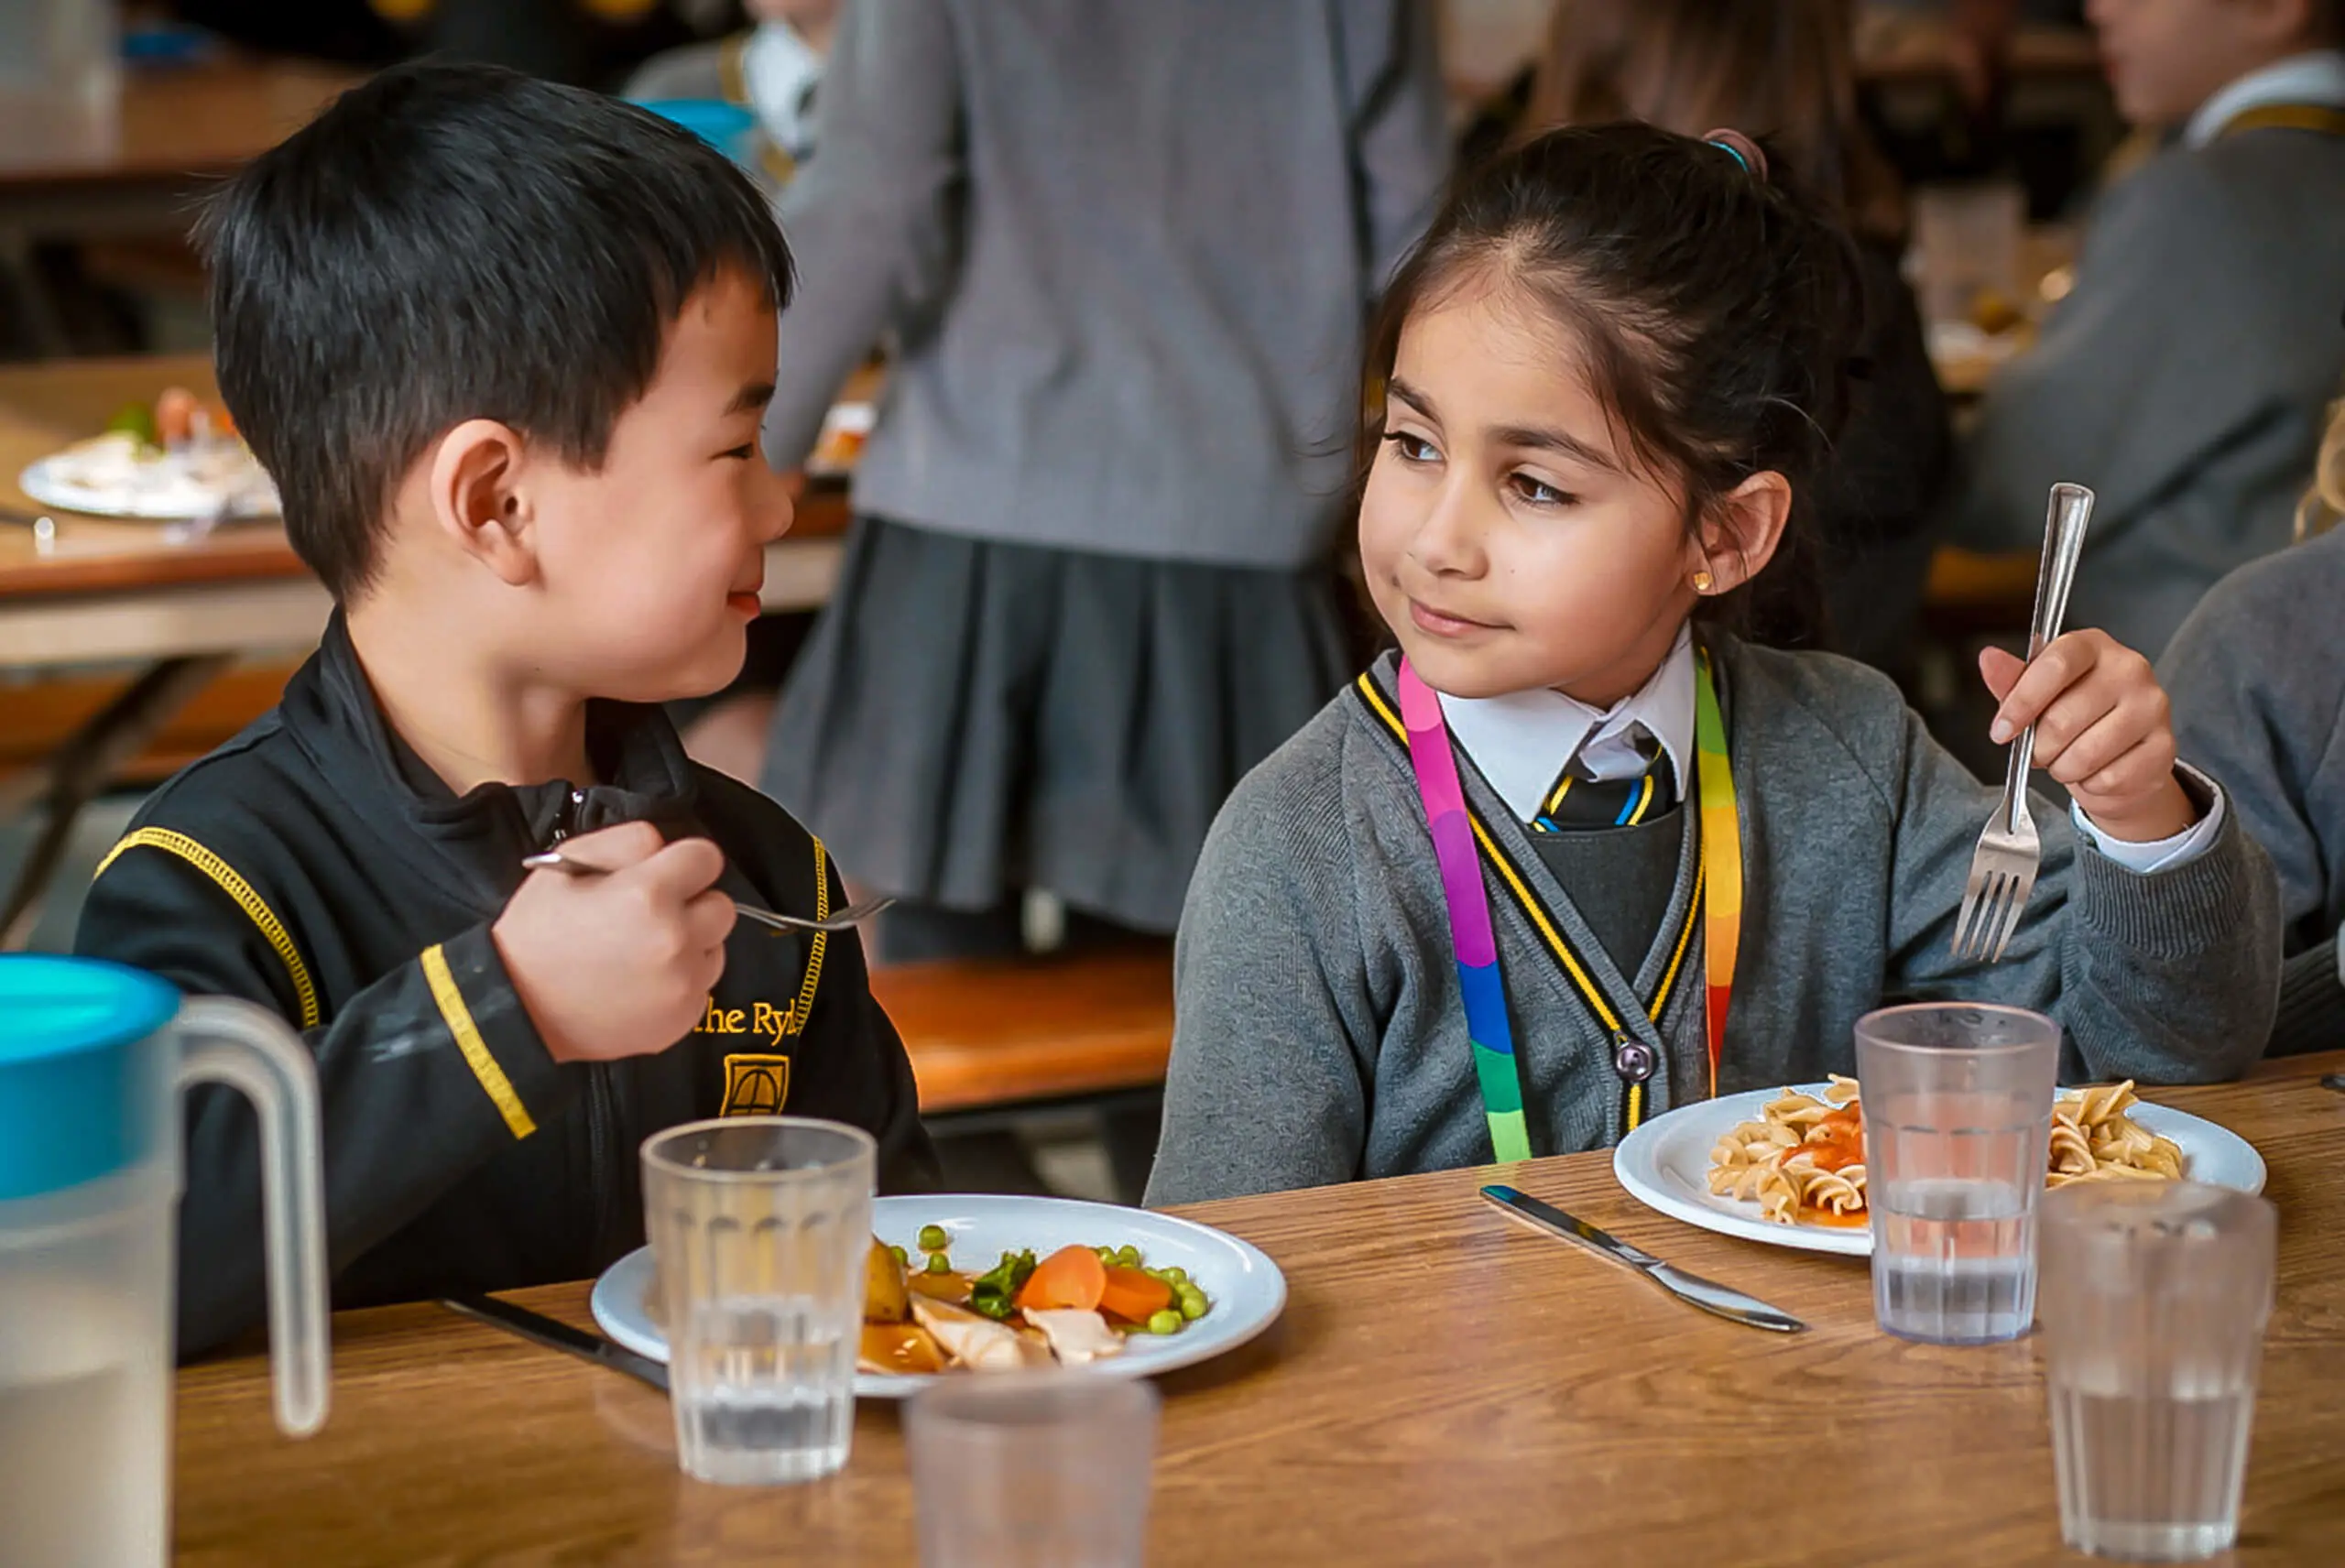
2003,868
845,920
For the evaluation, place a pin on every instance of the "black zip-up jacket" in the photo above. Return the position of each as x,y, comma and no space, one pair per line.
314,865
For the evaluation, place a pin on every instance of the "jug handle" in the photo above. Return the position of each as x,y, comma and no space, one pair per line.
249,1049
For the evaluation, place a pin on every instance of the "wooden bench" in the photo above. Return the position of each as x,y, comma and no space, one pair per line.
985,1035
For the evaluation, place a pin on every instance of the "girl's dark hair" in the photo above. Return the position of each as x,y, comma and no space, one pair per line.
1717,313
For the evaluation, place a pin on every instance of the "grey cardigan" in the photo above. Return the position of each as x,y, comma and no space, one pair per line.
1320,1035
2258,683
2183,378
1126,248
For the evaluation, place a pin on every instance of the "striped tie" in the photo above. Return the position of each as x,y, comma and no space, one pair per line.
1579,801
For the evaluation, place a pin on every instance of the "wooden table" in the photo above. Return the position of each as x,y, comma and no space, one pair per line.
1445,1388
138,169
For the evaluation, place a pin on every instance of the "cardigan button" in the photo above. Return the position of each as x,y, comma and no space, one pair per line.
1633,1060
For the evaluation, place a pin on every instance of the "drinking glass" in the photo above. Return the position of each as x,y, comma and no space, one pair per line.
1957,1110
759,1226
1967,249
1033,1470
2154,1299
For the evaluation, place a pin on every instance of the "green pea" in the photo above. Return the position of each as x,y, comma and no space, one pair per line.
1166,1322
903,1258
1194,1304
1174,1276
1127,1257
934,1239
939,1264
1107,1255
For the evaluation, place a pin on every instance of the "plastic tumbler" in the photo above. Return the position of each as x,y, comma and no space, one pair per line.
1033,1470
1957,1110
2154,1299
759,1226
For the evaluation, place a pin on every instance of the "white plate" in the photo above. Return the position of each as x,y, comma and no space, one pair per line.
158,490
1245,1289
1665,1165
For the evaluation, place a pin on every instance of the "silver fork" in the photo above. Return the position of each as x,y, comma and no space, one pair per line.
2003,868
845,920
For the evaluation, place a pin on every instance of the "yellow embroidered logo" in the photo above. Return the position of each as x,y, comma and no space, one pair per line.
755,1085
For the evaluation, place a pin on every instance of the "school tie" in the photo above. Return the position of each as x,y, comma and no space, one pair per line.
1579,801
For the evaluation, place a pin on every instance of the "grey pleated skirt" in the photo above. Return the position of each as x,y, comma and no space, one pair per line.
970,719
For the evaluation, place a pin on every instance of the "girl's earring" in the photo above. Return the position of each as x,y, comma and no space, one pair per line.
1702,582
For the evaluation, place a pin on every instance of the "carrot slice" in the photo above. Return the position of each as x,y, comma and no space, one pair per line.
1134,1296
1070,1277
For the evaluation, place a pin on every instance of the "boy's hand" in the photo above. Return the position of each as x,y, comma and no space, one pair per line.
618,964
2102,728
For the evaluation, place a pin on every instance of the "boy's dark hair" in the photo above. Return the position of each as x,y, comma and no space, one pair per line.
449,242
1718,313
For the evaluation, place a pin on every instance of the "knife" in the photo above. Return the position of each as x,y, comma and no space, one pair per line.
1706,1294
557,1335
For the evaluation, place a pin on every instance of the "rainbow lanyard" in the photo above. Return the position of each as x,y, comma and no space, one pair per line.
1487,1028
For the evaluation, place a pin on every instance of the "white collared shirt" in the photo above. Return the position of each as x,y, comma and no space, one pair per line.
1522,742
2317,76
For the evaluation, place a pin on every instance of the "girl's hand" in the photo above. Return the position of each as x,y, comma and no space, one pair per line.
2102,728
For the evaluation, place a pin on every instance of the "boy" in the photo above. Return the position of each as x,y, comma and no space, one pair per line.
504,347
2184,377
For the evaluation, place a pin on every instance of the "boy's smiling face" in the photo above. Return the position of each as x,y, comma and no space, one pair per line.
1506,541
647,567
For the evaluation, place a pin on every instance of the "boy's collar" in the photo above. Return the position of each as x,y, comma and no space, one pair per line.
1521,741
330,712
2316,76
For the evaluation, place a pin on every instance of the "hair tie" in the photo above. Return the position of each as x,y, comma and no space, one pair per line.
1743,149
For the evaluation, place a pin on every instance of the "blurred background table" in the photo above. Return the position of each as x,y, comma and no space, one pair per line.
137,174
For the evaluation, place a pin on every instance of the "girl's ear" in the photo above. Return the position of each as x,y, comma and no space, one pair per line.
480,501
1739,535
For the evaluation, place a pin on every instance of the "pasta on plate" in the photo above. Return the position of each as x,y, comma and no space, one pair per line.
1802,1161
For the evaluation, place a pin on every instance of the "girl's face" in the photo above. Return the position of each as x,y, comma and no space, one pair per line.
1507,541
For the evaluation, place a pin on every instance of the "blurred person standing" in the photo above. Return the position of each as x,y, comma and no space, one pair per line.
1124,253
2184,376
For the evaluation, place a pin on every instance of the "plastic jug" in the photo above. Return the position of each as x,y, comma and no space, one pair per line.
92,1060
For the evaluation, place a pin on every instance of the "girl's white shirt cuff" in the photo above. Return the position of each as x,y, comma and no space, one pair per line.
2165,853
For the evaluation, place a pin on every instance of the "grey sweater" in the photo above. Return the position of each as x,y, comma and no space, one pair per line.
1320,1035
2183,378
2258,684
1125,248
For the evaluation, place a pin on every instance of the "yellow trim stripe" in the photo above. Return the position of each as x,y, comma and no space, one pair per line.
459,1019
803,1008
225,876
1555,801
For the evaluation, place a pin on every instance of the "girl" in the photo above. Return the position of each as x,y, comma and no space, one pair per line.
1601,384
2258,700
1785,70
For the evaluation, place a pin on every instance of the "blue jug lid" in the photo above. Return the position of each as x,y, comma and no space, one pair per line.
78,1082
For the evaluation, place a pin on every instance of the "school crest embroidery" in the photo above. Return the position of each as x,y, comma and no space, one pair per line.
755,1085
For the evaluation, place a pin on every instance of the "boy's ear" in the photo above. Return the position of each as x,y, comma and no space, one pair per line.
1740,533
479,500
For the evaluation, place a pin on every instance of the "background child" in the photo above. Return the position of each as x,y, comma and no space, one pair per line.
774,68
1125,265
1781,70
1608,374
2259,698
504,347
2184,375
